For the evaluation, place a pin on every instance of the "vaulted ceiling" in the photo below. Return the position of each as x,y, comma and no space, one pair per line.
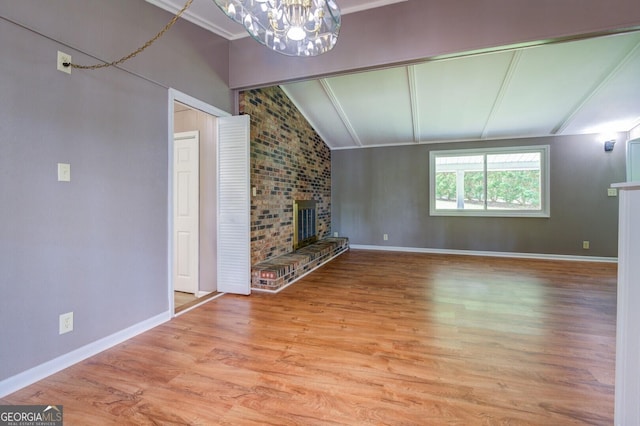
586,86
577,87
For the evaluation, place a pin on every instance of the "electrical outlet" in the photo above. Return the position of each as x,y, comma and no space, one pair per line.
335,234
385,237
612,192
585,245
64,58
66,322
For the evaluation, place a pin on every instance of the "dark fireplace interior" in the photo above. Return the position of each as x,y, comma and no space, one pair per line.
304,223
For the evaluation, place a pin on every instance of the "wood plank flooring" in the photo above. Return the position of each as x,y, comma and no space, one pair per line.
183,301
180,298
372,338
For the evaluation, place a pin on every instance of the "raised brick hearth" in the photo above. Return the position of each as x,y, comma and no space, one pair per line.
278,272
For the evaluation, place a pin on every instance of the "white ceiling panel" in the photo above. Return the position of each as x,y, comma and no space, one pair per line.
365,101
613,105
455,97
310,97
563,88
549,82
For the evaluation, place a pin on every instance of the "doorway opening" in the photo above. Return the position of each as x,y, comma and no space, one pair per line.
223,250
193,248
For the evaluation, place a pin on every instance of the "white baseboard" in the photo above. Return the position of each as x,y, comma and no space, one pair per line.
28,377
489,253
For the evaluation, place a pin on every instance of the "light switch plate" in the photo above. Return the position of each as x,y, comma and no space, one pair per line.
612,192
64,172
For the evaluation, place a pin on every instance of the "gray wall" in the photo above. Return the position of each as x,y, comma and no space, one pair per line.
97,245
385,190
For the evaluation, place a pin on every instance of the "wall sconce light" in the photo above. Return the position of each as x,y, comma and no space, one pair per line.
608,145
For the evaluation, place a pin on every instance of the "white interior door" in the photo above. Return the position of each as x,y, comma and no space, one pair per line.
186,193
234,245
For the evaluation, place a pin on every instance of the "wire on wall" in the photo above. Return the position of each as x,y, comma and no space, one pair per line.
135,52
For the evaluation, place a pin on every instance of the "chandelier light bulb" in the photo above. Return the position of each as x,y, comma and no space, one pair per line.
296,33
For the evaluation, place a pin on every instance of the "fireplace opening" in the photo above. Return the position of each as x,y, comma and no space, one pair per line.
304,223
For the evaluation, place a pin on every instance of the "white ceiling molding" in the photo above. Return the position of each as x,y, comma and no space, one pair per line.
504,87
207,15
340,110
415,107
360,5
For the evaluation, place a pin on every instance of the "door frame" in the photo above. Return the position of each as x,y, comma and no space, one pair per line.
190,101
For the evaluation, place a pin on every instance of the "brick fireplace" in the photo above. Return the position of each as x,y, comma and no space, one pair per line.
289,161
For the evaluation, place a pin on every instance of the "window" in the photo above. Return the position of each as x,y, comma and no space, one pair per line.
490,182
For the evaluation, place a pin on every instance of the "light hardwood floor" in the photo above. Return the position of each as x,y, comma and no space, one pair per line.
184,301
371,338
180,298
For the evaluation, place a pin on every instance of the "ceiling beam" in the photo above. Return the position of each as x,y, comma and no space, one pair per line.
504,87
415,31
415,105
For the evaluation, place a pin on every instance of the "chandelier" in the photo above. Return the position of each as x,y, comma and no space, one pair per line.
290,27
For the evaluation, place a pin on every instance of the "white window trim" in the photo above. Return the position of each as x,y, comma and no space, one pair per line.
544,173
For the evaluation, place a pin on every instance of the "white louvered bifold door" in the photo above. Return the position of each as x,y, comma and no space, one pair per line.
234,258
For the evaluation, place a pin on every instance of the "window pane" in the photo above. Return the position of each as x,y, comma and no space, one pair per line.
492,182
459,182
513,181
